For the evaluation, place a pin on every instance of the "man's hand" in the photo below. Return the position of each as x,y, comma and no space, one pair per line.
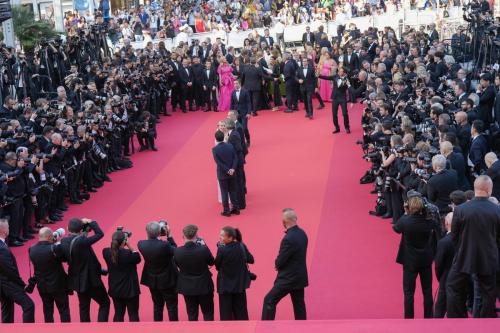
86,220
301,81
189,84
230,172
204,87
54,150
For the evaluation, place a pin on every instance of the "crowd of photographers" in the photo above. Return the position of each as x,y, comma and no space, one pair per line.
431,134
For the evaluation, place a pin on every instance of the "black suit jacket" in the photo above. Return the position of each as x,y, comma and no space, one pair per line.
415,248
339,92
439,188
231,262
457,163
289,72
486,102
9,273
123,280
47,259
310,81
210,80
304,38
159,270
271,40
291,260
184,77
497,107
477,150
494,173
84,270
226,159
195,277
476,235
235,140
243,105
444,257
251,78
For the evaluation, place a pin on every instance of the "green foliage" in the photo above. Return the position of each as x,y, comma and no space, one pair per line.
27,30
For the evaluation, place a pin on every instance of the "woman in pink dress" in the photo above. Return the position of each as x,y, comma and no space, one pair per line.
226,84
326,65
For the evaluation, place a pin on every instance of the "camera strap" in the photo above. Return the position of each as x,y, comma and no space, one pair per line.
71,245
29,262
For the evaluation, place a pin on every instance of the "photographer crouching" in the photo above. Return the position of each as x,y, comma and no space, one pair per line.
84,269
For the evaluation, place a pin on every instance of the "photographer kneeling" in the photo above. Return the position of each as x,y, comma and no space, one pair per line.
416,252
84,269
123,280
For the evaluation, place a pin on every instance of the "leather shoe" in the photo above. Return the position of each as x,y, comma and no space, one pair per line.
227,214
235,212
15,243
348,131
336,131
154,149
55,218
320,107
76,201
63,208
107,179
92,189
386,216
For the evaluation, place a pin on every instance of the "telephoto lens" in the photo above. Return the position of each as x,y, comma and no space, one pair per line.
58,234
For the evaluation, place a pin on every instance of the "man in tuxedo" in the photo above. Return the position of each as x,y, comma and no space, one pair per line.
478,148
475,232
443,261
339,98
235,140
195,279
241,102
52,280
210,83
372,46
186,78
441,184
460,91
198,92
486,92
292,270
11,284
251,79
159,273
456,161
204,52
84,269
175,81
267,38
306,78
289,73
463,131
351,60
227,161
493,165
308,36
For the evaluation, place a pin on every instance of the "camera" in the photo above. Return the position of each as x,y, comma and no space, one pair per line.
128,234
58,234
199,241
163,227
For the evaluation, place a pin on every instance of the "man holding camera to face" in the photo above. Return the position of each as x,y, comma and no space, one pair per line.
195,279
159,272
84,269
50,277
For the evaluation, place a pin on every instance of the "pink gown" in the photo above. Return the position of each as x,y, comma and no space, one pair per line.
226,87
325,86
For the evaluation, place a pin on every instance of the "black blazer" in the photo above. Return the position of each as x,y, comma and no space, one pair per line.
310,81
159,270
242,105
457,163
209,80
235,140
497,107
271,40
123,280
477,150
439,188
226,159
476,234
195,277
339,92
415,248
444,257
486,102
494,173
291,260
84,270
251,78
184,77
47,259
289,72
9,273
311,39
231,262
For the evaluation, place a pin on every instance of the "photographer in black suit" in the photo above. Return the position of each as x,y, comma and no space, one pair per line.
493,172
195,279
475,231
51,279
123,281
441,184
159,273
306,77
341,85
11,285
292,270
416,252
84,269
233,277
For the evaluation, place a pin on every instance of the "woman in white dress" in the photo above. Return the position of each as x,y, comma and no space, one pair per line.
221,126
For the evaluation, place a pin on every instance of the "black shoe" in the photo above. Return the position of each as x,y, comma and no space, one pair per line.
92,189
32,231
254,114
288,111
227,214
76,201
15,243
63,207
348,131
107,179
184,111
336,131
22,239
142,149
168,114
235,212
154,149
84,196
386,216
55,218
373,213
321,107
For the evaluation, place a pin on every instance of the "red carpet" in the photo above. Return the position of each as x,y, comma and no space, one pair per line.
293,162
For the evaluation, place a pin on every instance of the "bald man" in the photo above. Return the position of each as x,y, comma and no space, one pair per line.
475,232
456,161
292,270
11,284
52,280
493,171
463,131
